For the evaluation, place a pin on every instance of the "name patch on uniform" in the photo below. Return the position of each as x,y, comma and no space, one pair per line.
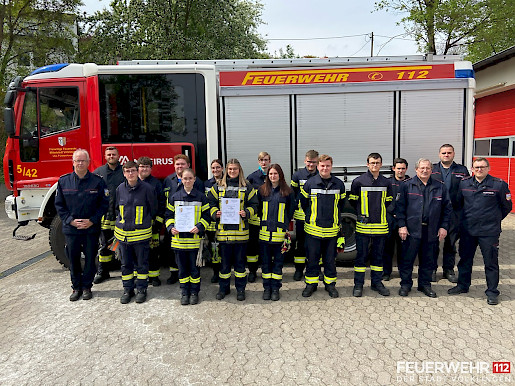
487,193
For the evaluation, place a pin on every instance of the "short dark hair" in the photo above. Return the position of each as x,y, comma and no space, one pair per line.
145,161
130,164
312,154
400,161
374,155
446,145
481,159
111,148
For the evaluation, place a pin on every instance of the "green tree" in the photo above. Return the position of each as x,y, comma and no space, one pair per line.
455,26
34,33
173,29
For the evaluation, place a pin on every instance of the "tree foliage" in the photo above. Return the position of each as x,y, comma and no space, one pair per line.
34,33
473,27
173,29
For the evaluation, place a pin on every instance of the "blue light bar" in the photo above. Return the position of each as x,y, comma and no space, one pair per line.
465,73
49,68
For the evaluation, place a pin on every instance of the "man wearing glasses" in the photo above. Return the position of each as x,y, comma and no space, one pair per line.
371,194
136,206
451,174
81,201
485,201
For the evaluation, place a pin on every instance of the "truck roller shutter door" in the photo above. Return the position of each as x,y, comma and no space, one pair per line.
346,126
258,123
428,119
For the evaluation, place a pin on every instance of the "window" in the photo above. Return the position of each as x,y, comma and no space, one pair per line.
148,108
59,109
500,147
29,151
482,147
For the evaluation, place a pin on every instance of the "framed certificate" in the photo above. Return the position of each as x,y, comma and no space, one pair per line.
230,211
184,218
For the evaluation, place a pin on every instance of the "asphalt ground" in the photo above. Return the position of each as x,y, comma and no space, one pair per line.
47,340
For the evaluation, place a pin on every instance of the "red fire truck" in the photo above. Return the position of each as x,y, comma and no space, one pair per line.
345,107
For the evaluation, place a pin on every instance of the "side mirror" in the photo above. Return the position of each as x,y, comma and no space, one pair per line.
9,121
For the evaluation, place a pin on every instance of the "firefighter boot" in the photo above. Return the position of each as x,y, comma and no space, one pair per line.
141,296
174,277
155,281
331,288
299,269
127,296
185,299
194,299
216,273
308,291
102,273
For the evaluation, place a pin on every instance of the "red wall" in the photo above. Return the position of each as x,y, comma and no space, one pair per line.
495,115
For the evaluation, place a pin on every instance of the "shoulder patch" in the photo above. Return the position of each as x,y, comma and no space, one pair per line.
508,197
106,192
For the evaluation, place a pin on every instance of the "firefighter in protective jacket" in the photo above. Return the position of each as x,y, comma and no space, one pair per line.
112,174
322,199
233,238
186,243
371,194
136,206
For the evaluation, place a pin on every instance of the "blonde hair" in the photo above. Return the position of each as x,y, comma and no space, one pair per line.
242,181
263,154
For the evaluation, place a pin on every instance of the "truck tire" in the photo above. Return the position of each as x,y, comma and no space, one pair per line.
57,241
349,230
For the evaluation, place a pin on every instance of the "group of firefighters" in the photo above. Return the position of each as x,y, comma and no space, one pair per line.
126,207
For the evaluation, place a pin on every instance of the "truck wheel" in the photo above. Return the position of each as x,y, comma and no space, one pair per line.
57,242
349,230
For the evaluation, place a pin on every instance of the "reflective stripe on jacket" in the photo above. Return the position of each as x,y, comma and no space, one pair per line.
370,197
275,212
136,207
322,204
187,240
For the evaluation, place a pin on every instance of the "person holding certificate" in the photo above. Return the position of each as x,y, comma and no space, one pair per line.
187,218
233,201
217,169
277,204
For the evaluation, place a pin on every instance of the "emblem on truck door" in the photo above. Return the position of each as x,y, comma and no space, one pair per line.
62,141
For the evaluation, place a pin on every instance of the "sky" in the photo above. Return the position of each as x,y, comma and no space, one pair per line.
309,19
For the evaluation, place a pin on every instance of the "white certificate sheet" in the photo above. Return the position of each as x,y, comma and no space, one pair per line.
230,211
184,218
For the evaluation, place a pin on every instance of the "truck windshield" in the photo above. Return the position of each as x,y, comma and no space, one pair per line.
148,107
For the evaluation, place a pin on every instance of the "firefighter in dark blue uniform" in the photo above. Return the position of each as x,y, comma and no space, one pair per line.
145,175
485,201
172,184
322,200
298,180
81,200
370,194
217,169
186,244
112,174
423,209
276,206
256,178
393,242
451,174
136,206
233,238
